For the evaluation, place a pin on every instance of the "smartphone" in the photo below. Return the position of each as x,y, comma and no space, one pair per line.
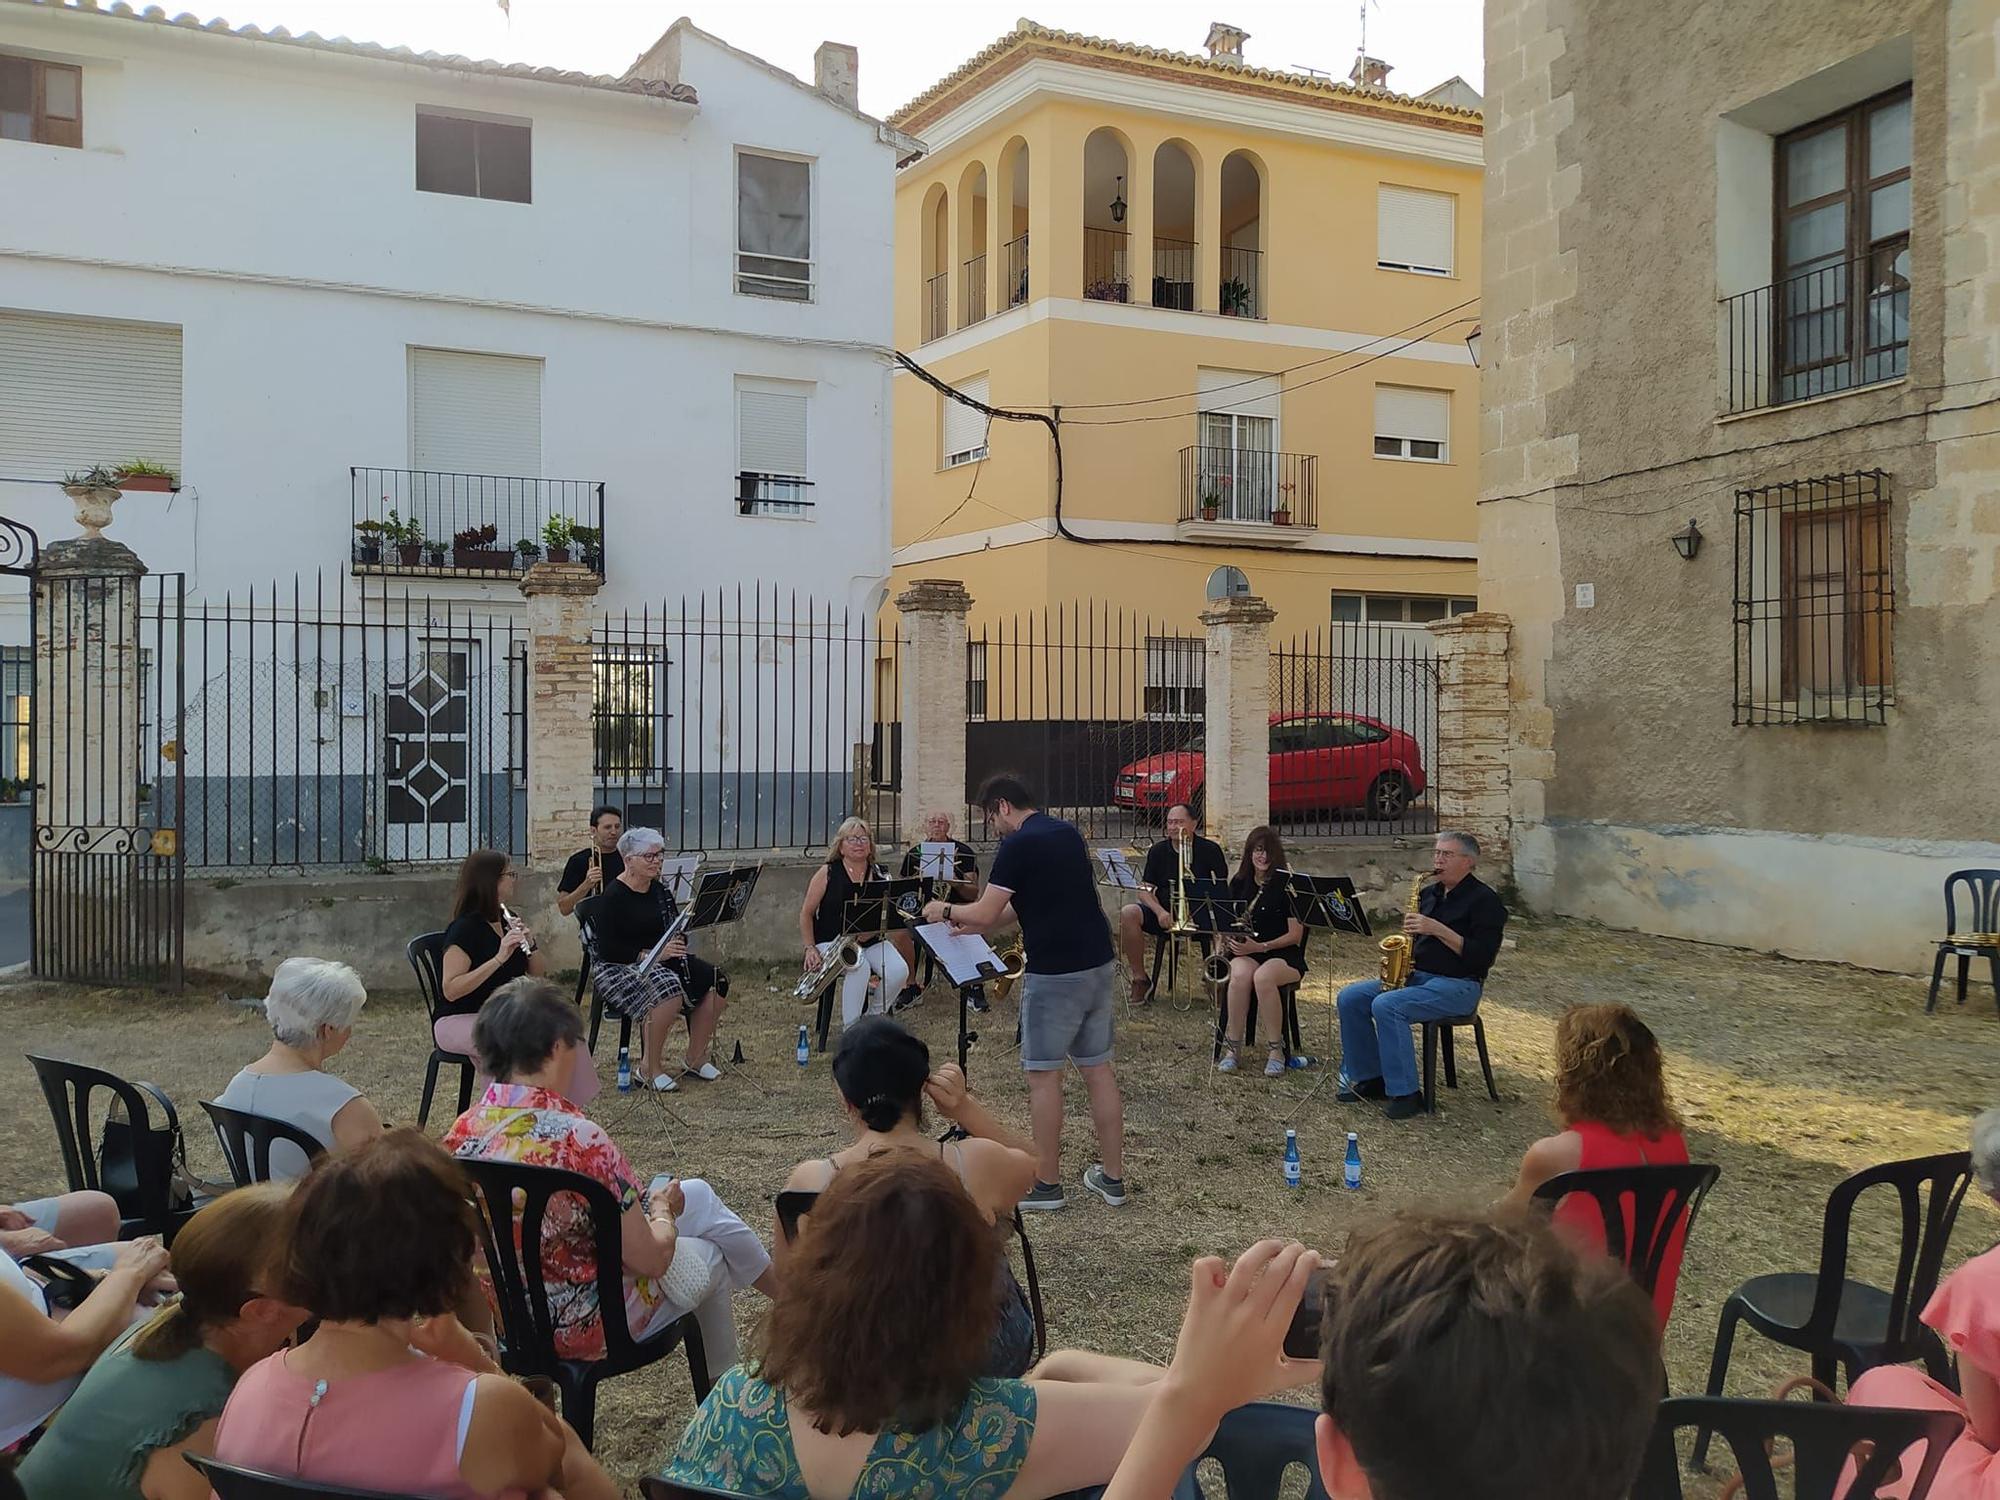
1302,1338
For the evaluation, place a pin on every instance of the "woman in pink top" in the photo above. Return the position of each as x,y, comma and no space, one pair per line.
391,1393
1611,1096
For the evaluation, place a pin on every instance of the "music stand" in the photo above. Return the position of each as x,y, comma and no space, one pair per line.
1118,871
723,896
969,960
677,875
876,909
1328,901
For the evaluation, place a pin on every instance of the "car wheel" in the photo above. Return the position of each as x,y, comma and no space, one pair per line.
1389,796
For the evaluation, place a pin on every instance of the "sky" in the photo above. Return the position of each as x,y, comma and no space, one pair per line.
906,45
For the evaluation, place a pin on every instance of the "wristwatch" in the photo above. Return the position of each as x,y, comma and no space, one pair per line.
947,911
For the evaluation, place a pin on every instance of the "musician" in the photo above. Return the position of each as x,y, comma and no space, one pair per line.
1454,934
1153,913
964,886
1268,955
850,863
631,915
593,864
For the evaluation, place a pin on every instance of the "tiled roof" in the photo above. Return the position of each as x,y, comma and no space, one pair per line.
450,62
1030,31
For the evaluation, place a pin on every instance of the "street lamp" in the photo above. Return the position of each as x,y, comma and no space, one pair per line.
1688,542
1472,345
1118,203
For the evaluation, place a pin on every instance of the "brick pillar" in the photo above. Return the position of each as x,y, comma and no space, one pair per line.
562,757
1236,787
933,707
1469,782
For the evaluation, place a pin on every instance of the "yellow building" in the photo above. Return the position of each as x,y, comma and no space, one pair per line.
1243,294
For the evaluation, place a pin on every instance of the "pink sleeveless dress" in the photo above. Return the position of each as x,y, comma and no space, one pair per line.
398,1430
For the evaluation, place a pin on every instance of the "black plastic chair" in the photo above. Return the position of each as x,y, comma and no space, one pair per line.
232,1483
1663,1203
655,1488
1837,1320
145,1203
1440,1032
527,1323
1288,998
1822,1437
1982,889
1255,1445
426,955
247,1139
586,931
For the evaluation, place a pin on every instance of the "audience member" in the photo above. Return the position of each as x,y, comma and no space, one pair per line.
1475,1358
850,864
884,1075
312,1007
1611,1097
1965,1311
683,1250
158,1391
1269,955
867,1381
41,1358
67,1221
391,1393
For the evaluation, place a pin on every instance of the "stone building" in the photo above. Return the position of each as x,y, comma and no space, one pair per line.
1740,490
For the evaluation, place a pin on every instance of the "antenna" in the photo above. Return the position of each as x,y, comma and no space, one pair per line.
1364,24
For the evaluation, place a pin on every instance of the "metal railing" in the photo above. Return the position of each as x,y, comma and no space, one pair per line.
1822,331
1241,294
1173,273
1244,484
1107,272
1014,256
975,290
409,520
937,306
772,494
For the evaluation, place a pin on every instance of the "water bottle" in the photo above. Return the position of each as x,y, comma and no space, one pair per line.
805,1048
1350,1173
1291,1158
624,1070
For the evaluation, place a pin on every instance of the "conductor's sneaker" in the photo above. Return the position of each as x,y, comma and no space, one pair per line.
1043,1197
1405,1107
1110,1189
910,995
663,1083
1358,1093
708,1072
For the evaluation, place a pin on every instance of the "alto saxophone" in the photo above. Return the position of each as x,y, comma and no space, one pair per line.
1013,964
1397,961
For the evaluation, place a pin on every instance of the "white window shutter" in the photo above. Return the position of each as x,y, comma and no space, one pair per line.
1404,412
76,392
1415,229
1248,393
771,432
475,413
964,427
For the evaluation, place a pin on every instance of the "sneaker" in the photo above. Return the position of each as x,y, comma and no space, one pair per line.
1043,1197
975,996
1274,1064
1405,1107
911,994
1110,1189
1360,1093
708,1072
663,1083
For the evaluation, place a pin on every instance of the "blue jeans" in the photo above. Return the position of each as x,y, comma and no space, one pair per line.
1375,1026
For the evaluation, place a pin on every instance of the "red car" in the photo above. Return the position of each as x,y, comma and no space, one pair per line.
1318,760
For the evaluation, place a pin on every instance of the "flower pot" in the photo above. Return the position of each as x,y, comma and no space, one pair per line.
434,556
1281,517
368,552
158,484
484,559
1210,512
93,504
409,555
558,554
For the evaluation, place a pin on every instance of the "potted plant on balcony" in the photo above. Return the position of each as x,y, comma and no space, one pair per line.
527,549
407,537
1281,513
142,474
1107,290
1235,298
434,552
589,542
368,541
474,548
1211,504
558,533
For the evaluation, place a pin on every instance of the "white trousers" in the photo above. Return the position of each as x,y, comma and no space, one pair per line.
876,959
715,1254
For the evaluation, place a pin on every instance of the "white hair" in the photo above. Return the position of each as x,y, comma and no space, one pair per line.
639,841
1986,1153
308,993
1467,844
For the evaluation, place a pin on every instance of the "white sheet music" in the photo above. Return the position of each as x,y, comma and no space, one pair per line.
1118,869
674,929
961,953
677,874
935,861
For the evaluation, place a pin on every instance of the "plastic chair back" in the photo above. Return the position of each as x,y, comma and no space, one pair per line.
232,1483
146,1203
1822,1436
247,1139
653,1487
1982,899
1255,1445
1928,1190
426,955
1663,1201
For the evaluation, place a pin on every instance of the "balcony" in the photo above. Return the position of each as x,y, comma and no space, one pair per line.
1107,274
436,524
974,281
1247,495
937,306
1241,294
1014,258
1834,328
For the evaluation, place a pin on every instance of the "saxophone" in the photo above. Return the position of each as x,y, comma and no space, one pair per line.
1397,961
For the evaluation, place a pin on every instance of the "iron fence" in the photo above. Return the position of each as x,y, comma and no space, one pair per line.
1107,272
1173,273
975,290
1354,723
937,306
1241,294
491,525
1015,264
1829,329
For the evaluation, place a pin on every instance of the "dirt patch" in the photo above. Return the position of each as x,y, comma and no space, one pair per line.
1791,1075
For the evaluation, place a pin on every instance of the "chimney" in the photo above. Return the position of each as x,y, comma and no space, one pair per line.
1225,42
1369,73
837,73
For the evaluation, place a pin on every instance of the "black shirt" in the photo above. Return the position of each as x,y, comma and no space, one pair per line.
1163,867
964,863
840,889
1476,914
475,937
1269,916
579,866
627,922
1045,867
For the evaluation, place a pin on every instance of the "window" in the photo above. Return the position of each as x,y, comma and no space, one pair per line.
964,427
1412,424
975,679
1398,609
628,722
1815,596
1415,230
76,391
1176,671
774,227
771,436
17,687
475,415
41,102
1236,438
1842,249
474,158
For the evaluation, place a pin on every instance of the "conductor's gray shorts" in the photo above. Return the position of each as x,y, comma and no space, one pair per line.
1067,1016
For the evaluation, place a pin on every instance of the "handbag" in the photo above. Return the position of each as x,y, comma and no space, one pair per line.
128,1156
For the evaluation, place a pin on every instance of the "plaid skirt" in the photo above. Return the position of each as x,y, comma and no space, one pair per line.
630,993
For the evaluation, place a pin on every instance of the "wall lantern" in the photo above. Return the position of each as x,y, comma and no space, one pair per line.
1688,542
1118,203
1472,345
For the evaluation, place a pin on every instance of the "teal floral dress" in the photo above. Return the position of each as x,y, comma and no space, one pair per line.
741,1441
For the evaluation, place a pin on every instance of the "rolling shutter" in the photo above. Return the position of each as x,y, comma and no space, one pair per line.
1403,412
475,413
1247,393
1415,230
771,432
77,391
965,428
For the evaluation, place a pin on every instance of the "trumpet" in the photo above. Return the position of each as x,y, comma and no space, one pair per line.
844,960
508,919
1013,964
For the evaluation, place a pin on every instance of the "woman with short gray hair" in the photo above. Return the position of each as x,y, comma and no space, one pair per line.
312,1006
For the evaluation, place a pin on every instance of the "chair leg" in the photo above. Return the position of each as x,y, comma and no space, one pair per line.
1824,1370
1450,1056
697,1358
825,1018
1295,1040
1964,971
1485,1059
596,1019
1718,1370
1993,960
1221,1023
430,1087
579,1400
1430,1044
1937,978
465,1076
1159,957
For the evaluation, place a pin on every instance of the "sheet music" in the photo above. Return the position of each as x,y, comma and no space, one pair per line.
961,953
674,929
677,874
1118,869
936,861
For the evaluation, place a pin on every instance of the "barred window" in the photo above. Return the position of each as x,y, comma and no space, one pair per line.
1815,596
1176,671
627,713
975,679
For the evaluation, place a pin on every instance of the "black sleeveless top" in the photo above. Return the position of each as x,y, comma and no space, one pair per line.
1269,915
833,904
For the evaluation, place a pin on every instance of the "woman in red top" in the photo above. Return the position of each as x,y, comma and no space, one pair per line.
1611,1096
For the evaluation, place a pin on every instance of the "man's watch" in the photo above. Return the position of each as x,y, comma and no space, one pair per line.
947,911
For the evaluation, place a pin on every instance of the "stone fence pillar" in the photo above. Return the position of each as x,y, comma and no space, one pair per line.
562,750
1236,784
933,708
1469,782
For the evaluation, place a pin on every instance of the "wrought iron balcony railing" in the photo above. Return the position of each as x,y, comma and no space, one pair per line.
482,524
1830,329
1243,484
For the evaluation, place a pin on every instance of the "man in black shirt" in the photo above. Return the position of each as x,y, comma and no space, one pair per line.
1153,913
963,886
1454,934
589,870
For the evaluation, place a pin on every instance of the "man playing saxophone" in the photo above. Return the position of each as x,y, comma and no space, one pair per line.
1454,933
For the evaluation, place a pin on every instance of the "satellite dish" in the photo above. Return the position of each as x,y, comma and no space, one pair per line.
1228,583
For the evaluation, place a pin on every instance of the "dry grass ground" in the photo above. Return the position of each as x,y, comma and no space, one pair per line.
1790,1074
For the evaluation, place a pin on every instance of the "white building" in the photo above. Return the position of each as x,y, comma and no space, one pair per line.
324,280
